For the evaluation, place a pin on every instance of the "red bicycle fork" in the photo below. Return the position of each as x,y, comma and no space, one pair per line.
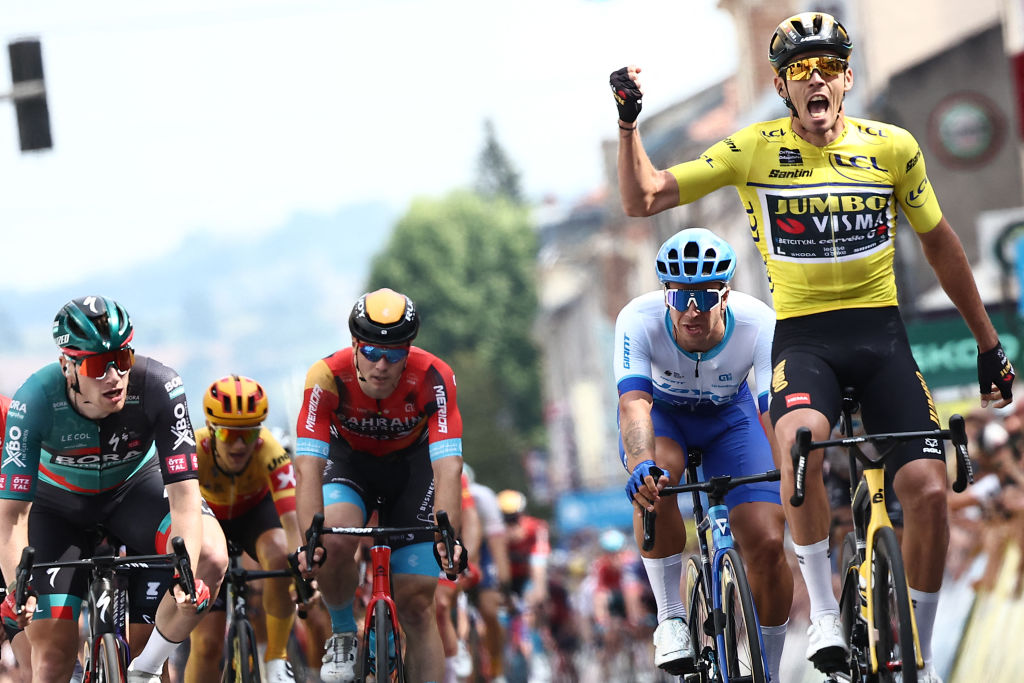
380,562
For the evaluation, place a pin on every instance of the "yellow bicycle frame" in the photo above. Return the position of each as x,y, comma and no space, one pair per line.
874,480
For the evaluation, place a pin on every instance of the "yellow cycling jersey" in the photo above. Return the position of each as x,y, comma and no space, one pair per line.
232,495
823,218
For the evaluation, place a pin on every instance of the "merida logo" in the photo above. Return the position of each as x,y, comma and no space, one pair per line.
314,405
441,396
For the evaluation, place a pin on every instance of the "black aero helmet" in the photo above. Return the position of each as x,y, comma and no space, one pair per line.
92,324
808,32
384,317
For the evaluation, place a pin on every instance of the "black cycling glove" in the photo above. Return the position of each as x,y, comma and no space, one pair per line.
627,96
995,368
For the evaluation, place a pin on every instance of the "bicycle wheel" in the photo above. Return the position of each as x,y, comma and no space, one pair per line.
242,659
850,604
389,663
743,657
109,665
892,612
698,611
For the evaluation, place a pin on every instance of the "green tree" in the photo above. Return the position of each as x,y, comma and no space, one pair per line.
468,263
496,175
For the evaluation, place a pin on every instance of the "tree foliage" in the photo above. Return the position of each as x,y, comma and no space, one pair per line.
468,263
496,175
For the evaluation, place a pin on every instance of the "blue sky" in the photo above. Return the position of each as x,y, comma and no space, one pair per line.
230,116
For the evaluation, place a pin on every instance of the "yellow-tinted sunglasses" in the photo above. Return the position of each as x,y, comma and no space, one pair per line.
248,435
827,65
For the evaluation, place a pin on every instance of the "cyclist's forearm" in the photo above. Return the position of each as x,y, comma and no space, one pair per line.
290,524
644,189
185,501
946,256
309,496
499,551
448,489
13,535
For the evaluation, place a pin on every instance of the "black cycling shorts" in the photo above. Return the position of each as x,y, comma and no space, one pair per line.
243,531
62,527
400,485
815,356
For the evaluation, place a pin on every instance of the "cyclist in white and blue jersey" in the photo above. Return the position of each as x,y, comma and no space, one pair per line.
683,356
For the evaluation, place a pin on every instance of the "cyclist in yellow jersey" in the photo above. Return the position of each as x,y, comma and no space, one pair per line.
247,479
822,192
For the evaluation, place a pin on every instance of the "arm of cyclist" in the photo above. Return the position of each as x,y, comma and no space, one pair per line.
637,432
946,256
186,503
645,190
448,496
309,500
14,537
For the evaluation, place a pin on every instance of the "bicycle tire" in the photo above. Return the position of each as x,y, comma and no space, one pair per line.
743,656
698,611
385,633
892,612
110,665
850,604
241,663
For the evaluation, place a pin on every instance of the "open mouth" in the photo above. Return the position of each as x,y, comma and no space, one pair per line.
113,394
817,105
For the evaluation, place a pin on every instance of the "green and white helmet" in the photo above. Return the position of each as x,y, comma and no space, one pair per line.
92,324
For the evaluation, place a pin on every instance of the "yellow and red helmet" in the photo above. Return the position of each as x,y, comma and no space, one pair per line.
235,401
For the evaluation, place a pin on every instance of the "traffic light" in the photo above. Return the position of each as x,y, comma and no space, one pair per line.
29,94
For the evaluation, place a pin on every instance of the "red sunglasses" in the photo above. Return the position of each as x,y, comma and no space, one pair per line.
95,365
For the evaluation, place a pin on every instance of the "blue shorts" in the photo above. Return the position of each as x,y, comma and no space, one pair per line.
732,439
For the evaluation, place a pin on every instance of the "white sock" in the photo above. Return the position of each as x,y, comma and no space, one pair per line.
816,569
774,638
449,671
152,658
925,607
664,575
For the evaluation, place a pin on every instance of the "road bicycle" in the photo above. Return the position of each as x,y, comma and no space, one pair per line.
722,618
876,613
381,646
107,650
241,656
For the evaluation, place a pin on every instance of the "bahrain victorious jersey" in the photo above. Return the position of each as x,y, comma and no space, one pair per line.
422,406
48,440
648,359
823,218
269,470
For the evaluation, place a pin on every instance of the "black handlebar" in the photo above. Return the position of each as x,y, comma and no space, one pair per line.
715,487
799,453
444,527
183,567
956,434
22,574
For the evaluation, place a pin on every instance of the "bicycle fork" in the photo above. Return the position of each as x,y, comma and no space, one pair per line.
878,517
108,612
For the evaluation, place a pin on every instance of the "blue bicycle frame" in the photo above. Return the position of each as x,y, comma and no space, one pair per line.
722,544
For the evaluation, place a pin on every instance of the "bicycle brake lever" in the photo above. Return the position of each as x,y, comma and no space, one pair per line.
964,469
799,455
183,567
303,591
23,574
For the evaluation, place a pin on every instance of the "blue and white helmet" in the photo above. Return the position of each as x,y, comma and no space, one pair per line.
695,255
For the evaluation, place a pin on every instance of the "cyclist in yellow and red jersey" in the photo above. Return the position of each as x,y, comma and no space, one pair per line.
379,428
247,479
822,191
528,548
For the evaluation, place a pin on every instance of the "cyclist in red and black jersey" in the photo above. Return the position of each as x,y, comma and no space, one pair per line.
383,415
528,548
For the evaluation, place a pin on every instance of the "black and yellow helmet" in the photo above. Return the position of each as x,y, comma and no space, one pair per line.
808,32
384,317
